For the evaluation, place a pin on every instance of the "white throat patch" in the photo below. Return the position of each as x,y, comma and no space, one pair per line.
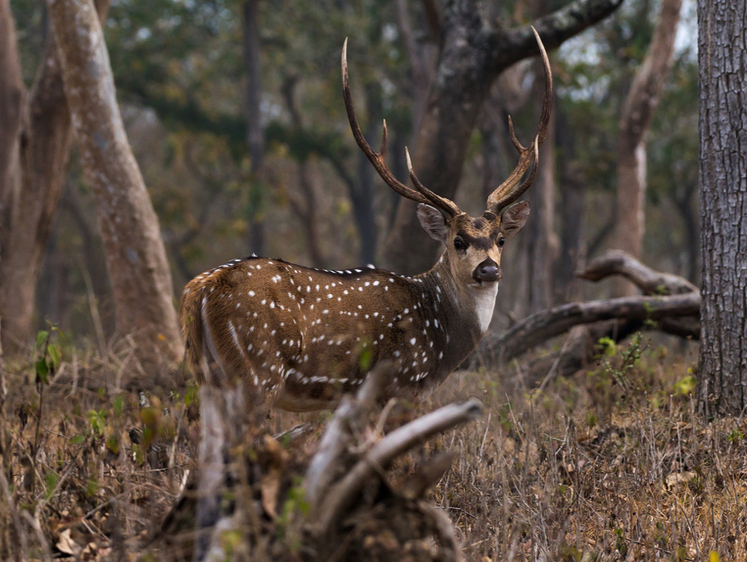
484,305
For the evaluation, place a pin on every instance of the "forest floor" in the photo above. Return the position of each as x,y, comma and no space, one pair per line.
610,464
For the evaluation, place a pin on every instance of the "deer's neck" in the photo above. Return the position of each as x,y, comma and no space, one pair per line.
466,309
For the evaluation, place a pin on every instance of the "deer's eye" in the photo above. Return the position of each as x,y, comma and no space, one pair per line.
501,241
460,244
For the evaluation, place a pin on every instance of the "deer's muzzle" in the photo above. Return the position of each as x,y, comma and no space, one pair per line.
488,271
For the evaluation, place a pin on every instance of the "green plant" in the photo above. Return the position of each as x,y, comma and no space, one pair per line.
619,369
47,355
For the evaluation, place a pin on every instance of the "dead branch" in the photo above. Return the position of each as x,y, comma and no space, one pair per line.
676,311
325,465
544,325
618,262
222,416
382,454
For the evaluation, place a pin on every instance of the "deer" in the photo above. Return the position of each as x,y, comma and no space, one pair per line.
300,338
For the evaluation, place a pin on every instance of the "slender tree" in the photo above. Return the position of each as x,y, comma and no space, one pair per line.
637,113
40,152
135,254
722,44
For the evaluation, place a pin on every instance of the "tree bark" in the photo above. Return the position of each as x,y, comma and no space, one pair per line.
135,254
43,145
12,102
722,42
637,113
12,97
472,55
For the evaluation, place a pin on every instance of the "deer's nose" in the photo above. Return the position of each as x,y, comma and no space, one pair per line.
488,271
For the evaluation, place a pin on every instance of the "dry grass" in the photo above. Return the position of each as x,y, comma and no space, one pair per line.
612,464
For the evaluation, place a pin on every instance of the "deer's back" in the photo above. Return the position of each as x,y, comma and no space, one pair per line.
301,336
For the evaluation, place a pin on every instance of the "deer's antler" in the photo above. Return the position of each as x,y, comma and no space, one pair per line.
510,190
421,194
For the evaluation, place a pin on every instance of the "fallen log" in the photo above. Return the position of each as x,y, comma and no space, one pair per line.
544,325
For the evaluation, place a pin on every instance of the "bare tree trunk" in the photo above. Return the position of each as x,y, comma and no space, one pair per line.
722,370
12,97
572,214
635,121
255,131
473,53
421,55
12,102
135,254
44,151
306,212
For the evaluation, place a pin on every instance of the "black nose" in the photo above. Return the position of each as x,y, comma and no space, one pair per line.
488,271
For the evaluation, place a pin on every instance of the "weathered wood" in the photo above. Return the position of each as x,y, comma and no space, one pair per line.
618,262
397,442
637,114
722,367
134,250
222,412
325,466
539,327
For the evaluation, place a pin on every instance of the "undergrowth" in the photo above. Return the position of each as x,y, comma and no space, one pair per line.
610,464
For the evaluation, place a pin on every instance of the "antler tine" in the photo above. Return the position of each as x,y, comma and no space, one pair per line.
509,191
446,205
376,158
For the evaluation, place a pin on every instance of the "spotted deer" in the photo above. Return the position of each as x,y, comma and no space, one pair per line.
299,337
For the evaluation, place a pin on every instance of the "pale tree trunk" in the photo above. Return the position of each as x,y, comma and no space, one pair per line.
637,113
135,254
12,95
43,145
12,102
722,43
473,53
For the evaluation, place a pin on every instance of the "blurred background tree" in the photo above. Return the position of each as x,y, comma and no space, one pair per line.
301,190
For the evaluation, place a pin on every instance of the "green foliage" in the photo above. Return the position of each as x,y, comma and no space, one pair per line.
50,484
295,506
627,358
97,422
48,355
735,436
686,385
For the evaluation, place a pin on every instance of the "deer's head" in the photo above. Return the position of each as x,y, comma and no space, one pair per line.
473,245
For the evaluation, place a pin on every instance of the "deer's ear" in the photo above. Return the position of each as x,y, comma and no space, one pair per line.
433,222
514,218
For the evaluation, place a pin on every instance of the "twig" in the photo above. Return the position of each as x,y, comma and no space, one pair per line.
444,528
20,534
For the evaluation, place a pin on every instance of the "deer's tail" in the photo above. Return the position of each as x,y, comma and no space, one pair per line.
190,318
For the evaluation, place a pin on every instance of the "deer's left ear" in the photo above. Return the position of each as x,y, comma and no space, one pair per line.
514,218
433,222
